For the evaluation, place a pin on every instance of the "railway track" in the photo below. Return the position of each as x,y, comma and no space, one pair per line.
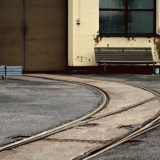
150,124
62,128
146,126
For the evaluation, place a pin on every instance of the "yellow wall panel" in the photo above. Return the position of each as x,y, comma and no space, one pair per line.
83,38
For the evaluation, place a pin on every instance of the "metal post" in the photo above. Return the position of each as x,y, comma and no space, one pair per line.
5,76
153,68
104,67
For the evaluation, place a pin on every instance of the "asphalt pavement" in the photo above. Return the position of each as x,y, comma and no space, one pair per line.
144,147
149,81
29,106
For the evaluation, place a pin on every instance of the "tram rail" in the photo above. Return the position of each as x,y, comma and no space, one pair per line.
106,100
150,124
146,126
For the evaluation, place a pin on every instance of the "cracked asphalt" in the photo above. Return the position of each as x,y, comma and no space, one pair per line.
32,105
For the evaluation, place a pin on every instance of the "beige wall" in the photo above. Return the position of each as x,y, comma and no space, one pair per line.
84,37
81,37
158,17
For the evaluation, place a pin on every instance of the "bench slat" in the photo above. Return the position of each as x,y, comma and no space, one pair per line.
129,62
132,55
116,55
122,48
136,58
123,55
143,60
127,53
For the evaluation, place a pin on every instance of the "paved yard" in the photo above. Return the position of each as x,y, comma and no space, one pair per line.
31,105
148,147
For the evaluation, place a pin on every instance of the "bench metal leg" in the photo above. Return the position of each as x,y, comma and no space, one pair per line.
153,68
4,77
104,67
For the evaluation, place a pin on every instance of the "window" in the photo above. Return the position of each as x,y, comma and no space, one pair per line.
127,17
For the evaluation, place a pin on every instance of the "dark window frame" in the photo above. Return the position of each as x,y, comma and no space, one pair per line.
127,10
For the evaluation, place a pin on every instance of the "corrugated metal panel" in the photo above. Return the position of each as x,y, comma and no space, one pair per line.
11,71
2,71
14,74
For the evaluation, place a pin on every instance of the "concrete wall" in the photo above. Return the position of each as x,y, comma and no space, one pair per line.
84,37
46,35
11,32
34,34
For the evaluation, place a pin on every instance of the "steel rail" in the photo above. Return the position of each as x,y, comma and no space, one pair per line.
106,100
145,127
118,141
131,134
98,151
71,125
121,110
89,118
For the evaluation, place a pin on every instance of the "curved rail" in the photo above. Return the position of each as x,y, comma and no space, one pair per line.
148,125
106,100
145,127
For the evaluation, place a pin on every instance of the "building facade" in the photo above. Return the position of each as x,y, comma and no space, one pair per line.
116,23
34,34
49,35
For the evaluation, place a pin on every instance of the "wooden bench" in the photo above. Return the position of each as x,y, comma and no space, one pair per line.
6,71
124,56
